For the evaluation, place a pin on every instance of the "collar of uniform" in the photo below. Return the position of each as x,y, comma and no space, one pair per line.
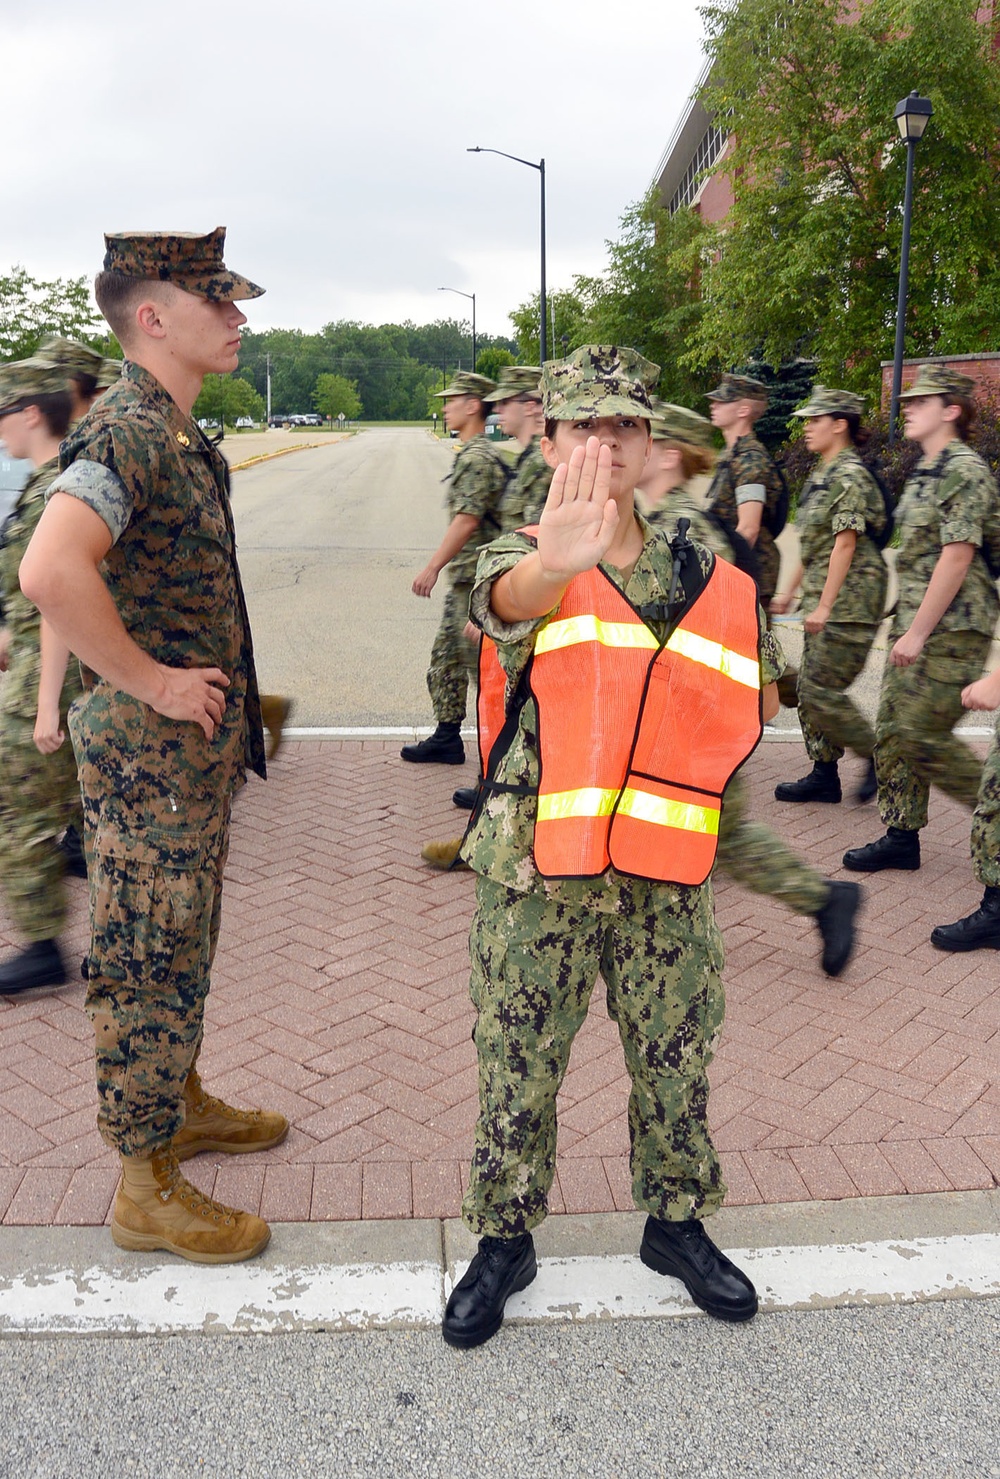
182,429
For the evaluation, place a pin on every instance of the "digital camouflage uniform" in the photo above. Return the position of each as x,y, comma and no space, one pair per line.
749,852
476,486
747,463
156,793
526,494
537,947
951,498
39,794
841,495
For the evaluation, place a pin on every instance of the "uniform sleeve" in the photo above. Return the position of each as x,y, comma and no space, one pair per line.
477,483
848,505
495,560
772,657
101,489
750,477
964,497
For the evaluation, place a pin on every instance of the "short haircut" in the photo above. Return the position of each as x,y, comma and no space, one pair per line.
118,297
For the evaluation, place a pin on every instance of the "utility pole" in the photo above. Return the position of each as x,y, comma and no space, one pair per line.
267,361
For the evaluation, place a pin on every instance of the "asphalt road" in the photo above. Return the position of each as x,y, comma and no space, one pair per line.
329,542
898,1392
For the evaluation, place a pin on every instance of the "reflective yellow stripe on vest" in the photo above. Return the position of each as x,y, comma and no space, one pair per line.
745,670
592,801
574,629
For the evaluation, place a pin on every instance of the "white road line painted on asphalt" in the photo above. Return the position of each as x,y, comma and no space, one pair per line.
253,1298
176,1298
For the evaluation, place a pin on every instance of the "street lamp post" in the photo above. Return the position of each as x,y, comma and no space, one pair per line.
473,297
540,166
911,115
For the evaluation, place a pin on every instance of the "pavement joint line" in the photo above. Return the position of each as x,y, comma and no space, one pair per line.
397,731
57,1282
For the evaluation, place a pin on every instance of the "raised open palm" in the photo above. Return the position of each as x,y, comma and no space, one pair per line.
578,523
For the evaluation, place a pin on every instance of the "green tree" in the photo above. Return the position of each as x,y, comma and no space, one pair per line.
565,312
490,362
228,395
334,396
30,308
648,296
807,260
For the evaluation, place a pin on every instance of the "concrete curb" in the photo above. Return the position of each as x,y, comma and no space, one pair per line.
281,452
389,1275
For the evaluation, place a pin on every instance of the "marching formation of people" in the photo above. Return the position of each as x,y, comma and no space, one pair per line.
617,631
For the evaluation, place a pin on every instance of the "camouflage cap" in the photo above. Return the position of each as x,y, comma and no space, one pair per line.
598,380
22,381
825,401
938,380
190,261
518,380
79,359
464,382
738,388
678,424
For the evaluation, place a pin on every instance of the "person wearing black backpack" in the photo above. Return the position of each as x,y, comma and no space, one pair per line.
945,616
843,525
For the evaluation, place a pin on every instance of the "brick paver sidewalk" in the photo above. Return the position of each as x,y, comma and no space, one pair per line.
340,997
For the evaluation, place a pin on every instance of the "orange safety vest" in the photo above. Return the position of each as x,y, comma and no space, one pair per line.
637,740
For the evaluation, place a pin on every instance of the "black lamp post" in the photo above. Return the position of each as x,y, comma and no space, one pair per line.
473,297
911,115
540,166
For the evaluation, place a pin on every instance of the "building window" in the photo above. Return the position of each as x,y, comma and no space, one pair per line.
707,153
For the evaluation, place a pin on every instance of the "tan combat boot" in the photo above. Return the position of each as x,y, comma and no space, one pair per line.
211,1124
156,1208
274,711
443,854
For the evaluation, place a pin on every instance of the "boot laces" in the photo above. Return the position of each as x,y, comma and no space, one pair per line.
172,1183
208,1104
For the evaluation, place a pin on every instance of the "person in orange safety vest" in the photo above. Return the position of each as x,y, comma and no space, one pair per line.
626,679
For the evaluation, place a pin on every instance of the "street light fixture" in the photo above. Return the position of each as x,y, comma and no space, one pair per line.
540,166
473,297
912,115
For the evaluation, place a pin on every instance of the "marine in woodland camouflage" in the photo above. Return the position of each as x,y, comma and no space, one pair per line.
747,462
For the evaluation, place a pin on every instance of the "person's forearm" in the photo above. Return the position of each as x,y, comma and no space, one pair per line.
748,520
527,591
792,588
55,658
457,536
942,588
840,563
75,602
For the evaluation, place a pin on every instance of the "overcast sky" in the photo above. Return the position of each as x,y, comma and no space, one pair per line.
330,137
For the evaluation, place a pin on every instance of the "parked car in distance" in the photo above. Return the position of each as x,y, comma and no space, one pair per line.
244,421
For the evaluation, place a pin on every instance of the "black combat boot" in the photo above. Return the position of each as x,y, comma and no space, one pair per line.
868,789
466,796
443,747
978,931
899,848
836,925
821,784
39,964
713,1281
500,1268
71,847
